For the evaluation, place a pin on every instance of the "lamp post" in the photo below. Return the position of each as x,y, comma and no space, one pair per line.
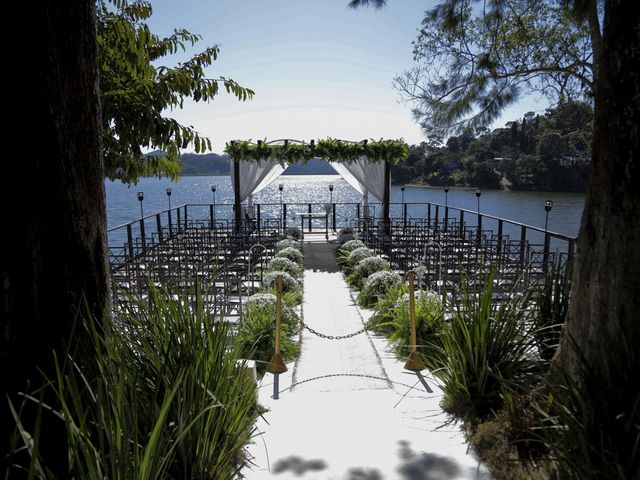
169,196
141,198
548,205
331,193
213,194
478,193
402,188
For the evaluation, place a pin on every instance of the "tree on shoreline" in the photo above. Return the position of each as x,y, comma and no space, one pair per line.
550,152
136,91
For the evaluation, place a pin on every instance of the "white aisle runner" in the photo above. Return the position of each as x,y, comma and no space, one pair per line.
349,427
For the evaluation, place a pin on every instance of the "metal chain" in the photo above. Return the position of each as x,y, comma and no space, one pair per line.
359,375
331,337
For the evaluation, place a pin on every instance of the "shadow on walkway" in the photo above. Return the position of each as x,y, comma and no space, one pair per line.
298,465
319,257
412,466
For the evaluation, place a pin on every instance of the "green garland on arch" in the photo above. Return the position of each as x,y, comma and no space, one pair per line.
332,150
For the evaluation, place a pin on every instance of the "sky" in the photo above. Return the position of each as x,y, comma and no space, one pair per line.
318,68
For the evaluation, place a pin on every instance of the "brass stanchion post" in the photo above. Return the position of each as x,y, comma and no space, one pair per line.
276,365
414,362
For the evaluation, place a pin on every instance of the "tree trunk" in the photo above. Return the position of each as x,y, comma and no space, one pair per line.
53,241
605,300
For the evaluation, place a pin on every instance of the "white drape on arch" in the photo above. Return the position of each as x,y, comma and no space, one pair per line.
256,176
363,175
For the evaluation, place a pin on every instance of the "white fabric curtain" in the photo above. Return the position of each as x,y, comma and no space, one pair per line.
255,176
363,175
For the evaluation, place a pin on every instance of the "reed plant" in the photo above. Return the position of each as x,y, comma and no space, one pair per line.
166,396
365,268
429,317
552,306
487,346
377,286
257,334
592,419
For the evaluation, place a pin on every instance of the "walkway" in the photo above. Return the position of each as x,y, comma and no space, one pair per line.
347,427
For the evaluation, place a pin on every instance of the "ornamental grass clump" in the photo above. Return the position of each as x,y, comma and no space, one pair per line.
365,268
292,254
256,337
165,396
355,257
265,304
289,284
285,265
351,245
293,232
376,286
288,242
488,346
429,314
346,234
592,421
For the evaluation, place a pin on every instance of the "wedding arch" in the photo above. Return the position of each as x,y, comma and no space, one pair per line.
365,165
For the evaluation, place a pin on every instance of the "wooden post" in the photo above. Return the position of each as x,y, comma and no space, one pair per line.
236,194
276,365
414,362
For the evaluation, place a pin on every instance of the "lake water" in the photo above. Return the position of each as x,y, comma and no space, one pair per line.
524,207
